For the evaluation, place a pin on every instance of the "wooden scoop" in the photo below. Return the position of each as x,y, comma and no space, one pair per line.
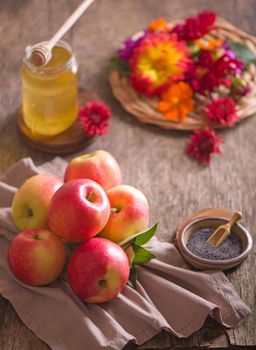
41,53
223,231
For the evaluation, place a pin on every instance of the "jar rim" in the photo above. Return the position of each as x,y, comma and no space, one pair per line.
50,70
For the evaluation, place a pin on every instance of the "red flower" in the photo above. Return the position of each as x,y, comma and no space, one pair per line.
205,59
222,111
227,65
207,74
192,77
202,144
201,83
195,28
208,82
94,118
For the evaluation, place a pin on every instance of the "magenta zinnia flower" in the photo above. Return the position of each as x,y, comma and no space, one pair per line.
222,111
202,144
94,117
195,28
127,48
207,73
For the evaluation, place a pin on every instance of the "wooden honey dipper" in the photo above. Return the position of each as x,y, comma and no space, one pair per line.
41,53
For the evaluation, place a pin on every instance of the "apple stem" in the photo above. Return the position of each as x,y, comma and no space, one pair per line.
115,210
102,283
91,197
30,212
38,237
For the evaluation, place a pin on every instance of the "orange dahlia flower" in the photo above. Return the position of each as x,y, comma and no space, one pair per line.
158,25
208,43
176,102
157,61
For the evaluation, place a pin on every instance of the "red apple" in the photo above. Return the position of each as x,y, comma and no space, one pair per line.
36,257
129,213
31,201
78,210
98,270
99,166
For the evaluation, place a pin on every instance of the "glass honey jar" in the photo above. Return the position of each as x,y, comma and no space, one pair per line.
50,92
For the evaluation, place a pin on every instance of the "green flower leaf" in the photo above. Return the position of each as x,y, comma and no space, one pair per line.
140,238
121,65
243,52
141,255
193,48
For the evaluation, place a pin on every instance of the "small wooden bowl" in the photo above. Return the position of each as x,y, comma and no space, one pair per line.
206,264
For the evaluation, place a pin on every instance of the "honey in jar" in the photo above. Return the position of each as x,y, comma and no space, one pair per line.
50,92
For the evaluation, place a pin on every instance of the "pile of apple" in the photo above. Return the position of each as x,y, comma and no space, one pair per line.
54,216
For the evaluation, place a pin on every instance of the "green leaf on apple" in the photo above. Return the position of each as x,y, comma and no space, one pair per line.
63,275
133,277
70,247
140,238
141,255
146,235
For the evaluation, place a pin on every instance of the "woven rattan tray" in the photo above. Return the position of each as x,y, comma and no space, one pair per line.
144,108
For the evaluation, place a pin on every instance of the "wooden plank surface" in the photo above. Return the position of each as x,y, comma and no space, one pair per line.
152,159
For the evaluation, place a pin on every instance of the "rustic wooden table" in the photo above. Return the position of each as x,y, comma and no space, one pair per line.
151,159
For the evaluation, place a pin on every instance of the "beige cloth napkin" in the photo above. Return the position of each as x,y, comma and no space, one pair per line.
168,296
